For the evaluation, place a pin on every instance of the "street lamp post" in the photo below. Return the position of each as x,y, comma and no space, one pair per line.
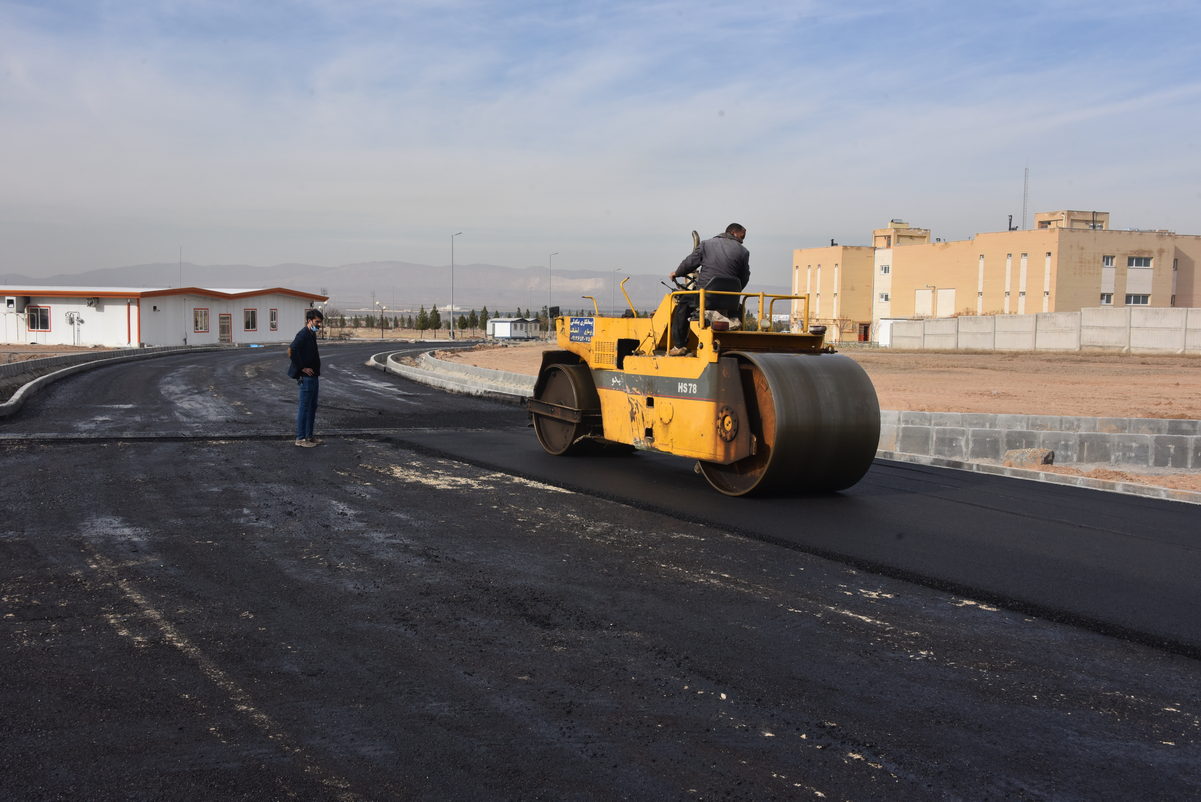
452,283
613,292
550,278
382,310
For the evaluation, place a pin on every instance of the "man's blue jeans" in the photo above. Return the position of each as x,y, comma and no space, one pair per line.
306,411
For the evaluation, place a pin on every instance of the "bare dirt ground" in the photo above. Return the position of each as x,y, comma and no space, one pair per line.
1101,385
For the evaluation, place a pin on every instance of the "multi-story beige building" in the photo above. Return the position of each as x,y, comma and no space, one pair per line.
1069,260
838,281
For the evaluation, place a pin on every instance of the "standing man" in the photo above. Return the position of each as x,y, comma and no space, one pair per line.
305,368
725,266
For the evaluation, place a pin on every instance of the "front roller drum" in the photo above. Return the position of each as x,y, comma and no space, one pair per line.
816,424
566,410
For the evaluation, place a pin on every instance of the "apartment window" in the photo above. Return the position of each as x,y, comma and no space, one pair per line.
884,268
250,320
37,318
1106,298
200,321
1138,261
273,316
884,296
1106,261
1137,300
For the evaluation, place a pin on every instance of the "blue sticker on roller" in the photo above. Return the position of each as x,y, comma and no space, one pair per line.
581,329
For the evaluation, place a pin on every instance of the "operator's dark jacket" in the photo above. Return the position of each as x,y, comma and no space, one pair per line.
722,256
303,352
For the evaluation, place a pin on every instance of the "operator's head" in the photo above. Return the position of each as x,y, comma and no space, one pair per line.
736,231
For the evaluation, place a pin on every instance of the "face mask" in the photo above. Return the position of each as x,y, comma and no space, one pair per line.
313,328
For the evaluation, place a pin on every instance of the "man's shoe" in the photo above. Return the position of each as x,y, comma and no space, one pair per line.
316,441
679,351
306,444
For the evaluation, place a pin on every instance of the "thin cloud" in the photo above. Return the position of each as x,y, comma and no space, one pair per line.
333,132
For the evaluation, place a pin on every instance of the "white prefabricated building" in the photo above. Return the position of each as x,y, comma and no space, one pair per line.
513,328
116,317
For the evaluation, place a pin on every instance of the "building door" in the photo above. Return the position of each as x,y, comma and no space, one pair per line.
865,332
225,330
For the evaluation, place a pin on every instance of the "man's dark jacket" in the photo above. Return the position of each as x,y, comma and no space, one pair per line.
722,256
303,352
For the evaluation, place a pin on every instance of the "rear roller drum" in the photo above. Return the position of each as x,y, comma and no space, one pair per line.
568,388
816,424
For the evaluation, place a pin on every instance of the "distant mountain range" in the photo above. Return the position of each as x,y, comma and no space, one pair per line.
401,286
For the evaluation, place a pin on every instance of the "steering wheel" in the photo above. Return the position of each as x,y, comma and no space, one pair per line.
685,283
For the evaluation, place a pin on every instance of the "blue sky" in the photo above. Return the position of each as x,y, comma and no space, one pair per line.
335,132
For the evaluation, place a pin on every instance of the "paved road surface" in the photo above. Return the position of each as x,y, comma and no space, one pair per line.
193,607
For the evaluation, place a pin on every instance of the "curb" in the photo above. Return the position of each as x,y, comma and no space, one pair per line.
498,385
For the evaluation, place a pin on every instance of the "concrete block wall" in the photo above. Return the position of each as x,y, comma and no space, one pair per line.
1192,332
1127,329
977,333
1120,442
1157,330
1015,332
1057,331
941,334
908,334
1105,329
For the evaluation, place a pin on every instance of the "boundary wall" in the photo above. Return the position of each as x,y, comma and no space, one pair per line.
1126,329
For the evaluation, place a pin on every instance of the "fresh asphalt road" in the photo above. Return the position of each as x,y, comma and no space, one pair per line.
427,606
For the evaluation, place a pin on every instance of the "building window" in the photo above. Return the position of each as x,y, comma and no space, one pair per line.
884,268
1137,300
1106,298
250,320
1106,261
273,317
200,321
884,296
1138,261
37,318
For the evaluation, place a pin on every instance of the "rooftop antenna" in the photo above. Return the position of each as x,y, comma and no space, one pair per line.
1025,195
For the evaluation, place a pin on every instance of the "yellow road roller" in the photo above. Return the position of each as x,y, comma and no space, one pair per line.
761,411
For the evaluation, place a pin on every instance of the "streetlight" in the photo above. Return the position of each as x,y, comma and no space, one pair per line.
382,310
549,284
452,283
